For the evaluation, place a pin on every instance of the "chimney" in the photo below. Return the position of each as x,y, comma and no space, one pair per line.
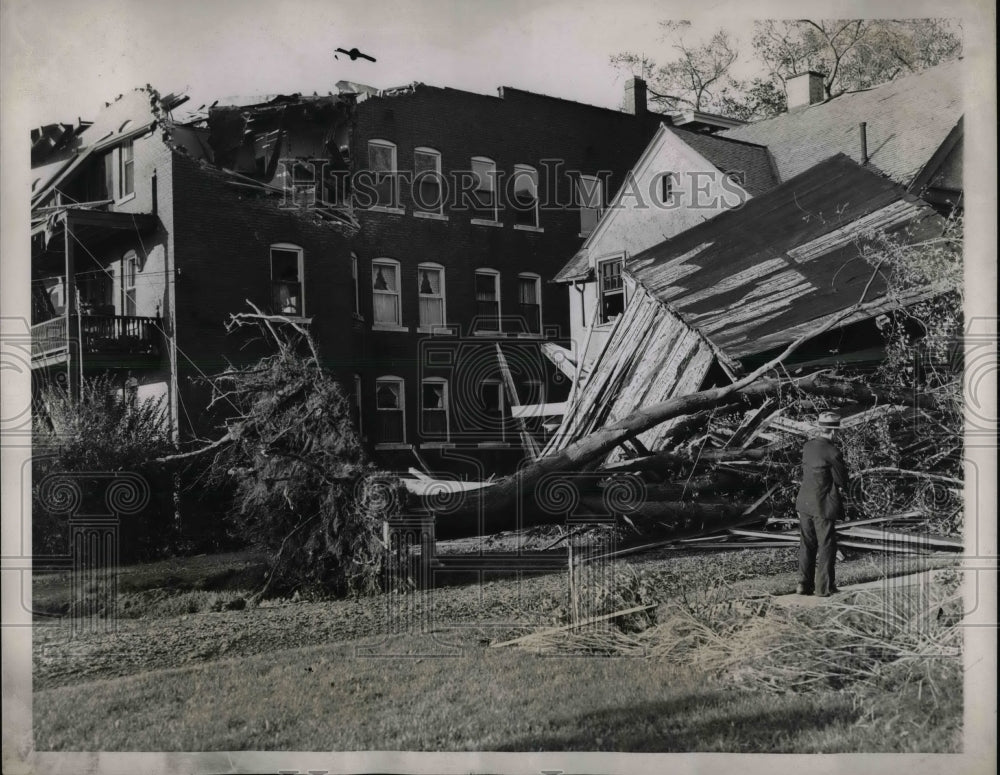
635,96
805,89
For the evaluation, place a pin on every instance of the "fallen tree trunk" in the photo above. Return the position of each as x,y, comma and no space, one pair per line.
660,461
501,499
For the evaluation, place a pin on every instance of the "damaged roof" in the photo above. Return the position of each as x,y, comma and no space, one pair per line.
750,161
758,277
907,121
131,114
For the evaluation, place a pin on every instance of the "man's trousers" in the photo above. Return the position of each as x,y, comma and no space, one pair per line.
817,554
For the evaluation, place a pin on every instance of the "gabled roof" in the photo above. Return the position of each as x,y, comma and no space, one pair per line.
751,162
758,277
907,121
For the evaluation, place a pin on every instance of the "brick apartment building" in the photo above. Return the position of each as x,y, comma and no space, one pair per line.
150,227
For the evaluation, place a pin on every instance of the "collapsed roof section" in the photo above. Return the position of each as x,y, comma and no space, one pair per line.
760,276
249,144
285,144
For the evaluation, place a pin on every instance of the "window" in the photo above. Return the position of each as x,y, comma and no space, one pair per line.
488,299
491,403
430,288
434,408
126,170
96,292
612,289
484,195
590,198
525,196
130,272
529,296
666,188
427,181
357,285
356,404
287,282
382,163
390,411
385,292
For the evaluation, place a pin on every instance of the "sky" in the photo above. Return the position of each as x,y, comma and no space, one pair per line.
74,56
66,58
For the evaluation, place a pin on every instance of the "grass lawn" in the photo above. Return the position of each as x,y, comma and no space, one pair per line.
328,698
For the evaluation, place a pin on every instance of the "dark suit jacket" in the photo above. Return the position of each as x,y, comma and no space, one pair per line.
823,472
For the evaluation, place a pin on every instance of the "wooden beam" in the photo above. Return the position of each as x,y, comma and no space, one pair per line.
527,440
900,538
538,410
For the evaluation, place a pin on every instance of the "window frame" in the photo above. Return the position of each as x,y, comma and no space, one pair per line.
126,165
355,277
492,176
301,270
495,274
537,278
395,265
601,293
599,209
446,400
130,283
356,399
666,188
393,174
419,209
422,326
392,378
536,219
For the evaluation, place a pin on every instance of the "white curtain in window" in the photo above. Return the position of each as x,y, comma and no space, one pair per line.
387,395
429,281
380,158
433,395
528,290
384,278
486,289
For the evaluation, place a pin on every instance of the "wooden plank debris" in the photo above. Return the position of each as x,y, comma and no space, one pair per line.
922,541
538,410
562,358
508,380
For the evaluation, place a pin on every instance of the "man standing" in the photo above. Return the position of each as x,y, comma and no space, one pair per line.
819,505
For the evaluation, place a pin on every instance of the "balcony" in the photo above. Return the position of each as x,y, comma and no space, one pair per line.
109,337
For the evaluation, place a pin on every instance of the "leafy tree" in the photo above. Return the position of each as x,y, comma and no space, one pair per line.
854,54
304,490
77,442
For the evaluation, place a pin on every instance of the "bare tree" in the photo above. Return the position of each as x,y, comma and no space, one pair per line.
695,77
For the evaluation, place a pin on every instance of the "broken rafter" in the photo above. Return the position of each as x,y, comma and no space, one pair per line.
508,380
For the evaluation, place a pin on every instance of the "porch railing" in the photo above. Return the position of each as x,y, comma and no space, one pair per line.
101,334
48,336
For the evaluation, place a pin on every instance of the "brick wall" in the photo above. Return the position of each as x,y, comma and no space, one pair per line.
222,238
519,128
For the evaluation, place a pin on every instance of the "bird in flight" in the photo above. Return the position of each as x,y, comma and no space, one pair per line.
354,54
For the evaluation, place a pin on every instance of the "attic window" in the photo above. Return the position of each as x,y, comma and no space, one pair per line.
666,188
611,289
126,169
